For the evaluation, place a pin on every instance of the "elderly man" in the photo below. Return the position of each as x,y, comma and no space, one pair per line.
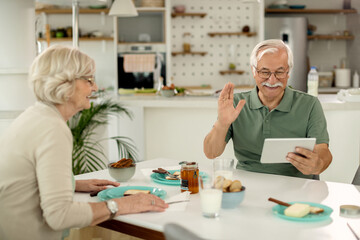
270,110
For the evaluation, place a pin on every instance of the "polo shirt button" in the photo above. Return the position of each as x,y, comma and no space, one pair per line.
266,120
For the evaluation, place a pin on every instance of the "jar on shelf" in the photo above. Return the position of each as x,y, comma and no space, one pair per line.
187,42
231,57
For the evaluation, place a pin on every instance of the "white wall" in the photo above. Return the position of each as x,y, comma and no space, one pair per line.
17,50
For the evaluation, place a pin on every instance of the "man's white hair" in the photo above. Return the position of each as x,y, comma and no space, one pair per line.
269,46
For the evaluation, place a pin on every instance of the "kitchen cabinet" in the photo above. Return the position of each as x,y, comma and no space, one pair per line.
151,22
270,11
100,48
328,43
44,15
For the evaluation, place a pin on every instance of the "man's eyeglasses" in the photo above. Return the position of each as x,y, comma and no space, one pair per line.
91,80
266,74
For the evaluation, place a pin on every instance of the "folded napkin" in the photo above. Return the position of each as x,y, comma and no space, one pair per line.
178,206
148,171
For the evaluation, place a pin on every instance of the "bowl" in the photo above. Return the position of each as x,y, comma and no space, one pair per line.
122,174
179,8
167,92
297,6
232,199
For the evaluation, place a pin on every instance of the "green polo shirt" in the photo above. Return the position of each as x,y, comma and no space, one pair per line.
298,115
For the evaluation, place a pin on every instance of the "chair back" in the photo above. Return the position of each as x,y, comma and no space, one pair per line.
356,180
174,231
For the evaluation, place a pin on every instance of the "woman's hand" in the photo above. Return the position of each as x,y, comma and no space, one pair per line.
93,185
140,202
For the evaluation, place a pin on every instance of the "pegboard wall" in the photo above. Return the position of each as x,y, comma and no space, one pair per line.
222,16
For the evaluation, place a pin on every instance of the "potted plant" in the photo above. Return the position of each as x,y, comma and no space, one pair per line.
88,154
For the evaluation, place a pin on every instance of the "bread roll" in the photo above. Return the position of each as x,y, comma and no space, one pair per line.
235,186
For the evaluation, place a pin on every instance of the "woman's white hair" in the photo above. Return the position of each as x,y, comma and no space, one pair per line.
269,46
52,74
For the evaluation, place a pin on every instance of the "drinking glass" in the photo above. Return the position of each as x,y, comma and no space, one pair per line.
224,167
210,197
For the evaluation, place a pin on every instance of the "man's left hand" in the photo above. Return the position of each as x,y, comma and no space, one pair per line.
311,162
93,185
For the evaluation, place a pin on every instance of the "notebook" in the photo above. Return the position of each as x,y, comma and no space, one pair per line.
276,149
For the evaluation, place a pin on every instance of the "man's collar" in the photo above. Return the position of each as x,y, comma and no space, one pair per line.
285,103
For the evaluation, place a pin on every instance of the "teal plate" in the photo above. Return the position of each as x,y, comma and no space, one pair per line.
160,178
278,210
118,192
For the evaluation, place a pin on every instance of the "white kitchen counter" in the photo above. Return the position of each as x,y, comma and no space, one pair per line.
176,127
328,101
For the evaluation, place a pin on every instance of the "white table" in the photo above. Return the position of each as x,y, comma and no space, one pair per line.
252,219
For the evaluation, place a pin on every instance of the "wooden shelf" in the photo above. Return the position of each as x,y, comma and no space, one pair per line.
330,37
231,72
150,9
249,34
173,15
80,39
140,43
69,10
188,53
315,11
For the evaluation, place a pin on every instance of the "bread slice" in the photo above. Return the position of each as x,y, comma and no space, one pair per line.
297,210
135,191
170,178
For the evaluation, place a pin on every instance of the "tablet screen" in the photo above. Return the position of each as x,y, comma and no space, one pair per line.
276,149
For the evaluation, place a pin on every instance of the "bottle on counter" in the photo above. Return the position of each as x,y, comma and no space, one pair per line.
356,82
313,82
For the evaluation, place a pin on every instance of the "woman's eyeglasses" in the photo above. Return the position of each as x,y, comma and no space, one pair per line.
91,80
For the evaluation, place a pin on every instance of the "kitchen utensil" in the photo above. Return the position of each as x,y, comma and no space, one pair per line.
179,201
352,230
313,210
164,171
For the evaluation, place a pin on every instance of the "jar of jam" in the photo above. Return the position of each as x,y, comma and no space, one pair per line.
189,177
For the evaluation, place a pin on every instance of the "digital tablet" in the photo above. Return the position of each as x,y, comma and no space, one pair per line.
276,149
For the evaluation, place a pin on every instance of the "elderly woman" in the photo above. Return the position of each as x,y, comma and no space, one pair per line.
36,183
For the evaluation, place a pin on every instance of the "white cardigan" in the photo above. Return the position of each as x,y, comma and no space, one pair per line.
36,192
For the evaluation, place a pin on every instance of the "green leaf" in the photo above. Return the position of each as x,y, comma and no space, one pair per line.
88,155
